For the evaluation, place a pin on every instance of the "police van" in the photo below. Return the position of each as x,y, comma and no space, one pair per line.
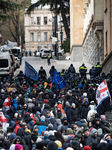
45,53
6,64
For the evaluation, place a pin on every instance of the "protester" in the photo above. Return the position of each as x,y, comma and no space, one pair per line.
64,115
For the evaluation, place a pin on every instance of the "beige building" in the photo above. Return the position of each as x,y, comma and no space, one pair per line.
39,27
107,64
87,30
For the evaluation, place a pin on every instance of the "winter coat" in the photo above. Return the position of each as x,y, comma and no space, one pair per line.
6,144
15,105
22,142
84,111
92,72
99,126
52,121
67,111
92,140
36,108
59,124
102,146
42,125
71,69
73,114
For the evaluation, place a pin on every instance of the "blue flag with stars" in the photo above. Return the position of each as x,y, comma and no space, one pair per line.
57,79
30,72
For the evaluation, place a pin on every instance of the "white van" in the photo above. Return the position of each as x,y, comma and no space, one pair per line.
6,64
45,53
16,51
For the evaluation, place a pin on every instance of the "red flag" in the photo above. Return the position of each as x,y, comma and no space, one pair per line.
7,103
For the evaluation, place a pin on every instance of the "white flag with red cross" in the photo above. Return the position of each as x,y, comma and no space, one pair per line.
3,120
102,92
7,104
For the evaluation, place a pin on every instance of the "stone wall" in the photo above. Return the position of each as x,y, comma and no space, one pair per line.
92,48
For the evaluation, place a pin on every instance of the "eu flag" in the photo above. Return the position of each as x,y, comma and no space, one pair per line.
30,72
57,79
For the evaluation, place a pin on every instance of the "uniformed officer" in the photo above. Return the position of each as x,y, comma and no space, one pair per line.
98,68
83,70
48,59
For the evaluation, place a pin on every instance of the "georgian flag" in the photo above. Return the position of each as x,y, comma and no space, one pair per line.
102,92
7,104
3,120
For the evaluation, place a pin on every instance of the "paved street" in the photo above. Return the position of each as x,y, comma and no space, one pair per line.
37,62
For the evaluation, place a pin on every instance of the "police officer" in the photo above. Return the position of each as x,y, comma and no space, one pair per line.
92,72
83,70
63,73
48,59
98,68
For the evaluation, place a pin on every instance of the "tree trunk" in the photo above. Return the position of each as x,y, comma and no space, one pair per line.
67,30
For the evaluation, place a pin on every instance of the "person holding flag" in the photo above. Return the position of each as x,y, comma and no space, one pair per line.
103,98
30,72
57,79
3,120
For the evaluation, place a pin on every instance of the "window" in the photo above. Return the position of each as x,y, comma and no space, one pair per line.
31,20
61,36
38,36
38,21
45,36
45,20
31,37
3,63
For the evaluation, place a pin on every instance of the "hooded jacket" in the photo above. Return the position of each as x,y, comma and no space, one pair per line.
92,139
22,142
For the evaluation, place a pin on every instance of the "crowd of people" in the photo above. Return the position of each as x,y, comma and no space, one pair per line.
40,116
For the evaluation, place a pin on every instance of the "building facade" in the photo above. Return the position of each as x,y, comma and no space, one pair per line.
89,23
107,64
39,27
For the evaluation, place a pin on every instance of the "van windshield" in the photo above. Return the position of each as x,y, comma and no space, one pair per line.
47,51
3,63
15,52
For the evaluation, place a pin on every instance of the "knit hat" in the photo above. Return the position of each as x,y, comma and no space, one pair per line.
73,104
76,124
50,126
18,147
58,143
53,146
42,118
59,114
45,133
86,148
12,147
103,117
35,127
69,148
35,85
12,136
46,101
67,102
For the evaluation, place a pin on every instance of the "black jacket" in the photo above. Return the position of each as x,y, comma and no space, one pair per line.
73,114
